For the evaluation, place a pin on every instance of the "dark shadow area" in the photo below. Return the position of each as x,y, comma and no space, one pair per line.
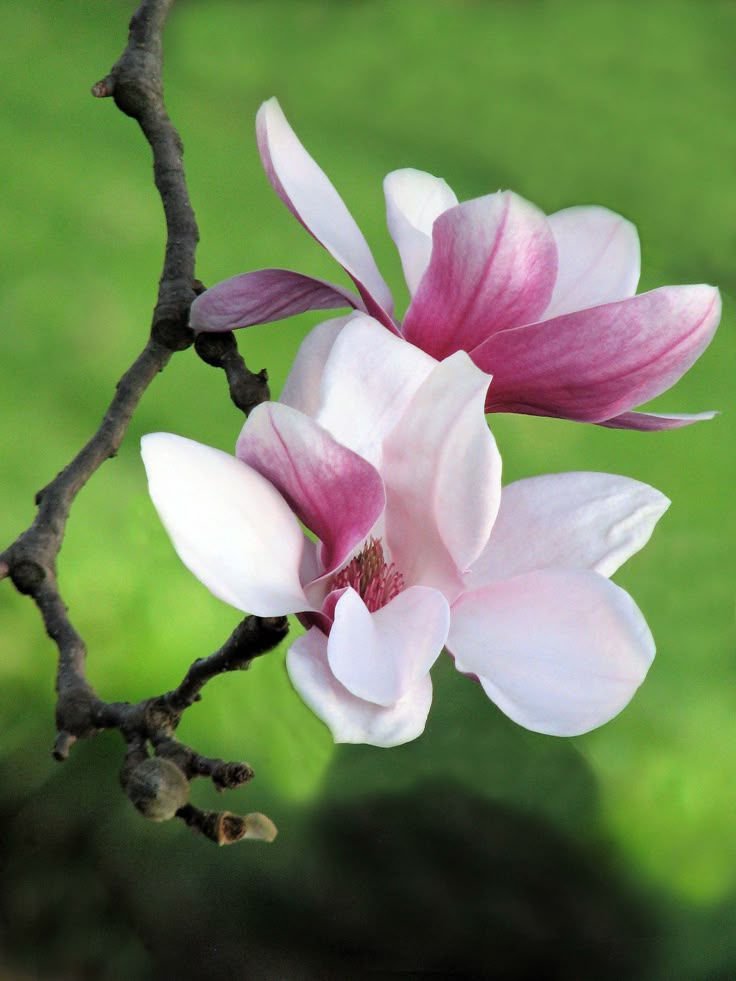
428,882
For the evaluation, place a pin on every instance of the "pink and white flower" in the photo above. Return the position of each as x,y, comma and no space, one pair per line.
384,456
546,304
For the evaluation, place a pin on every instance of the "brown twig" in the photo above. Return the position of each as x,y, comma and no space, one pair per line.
154,783
247,389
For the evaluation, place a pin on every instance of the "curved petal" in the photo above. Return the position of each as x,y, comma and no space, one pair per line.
442,473
310,196
590,521
493,266
230,527
599,259
559,651
598,363
368,380
335,492
350,719
302,387
414,200
652,422
262,296
381,656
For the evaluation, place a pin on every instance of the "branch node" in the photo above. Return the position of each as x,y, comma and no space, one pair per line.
75,713
228,776
62,745
173,334
104,88
27,576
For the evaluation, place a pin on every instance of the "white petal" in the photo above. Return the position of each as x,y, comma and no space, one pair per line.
414,199
381,656
370,377
559,651
442,473
302,387
350,719
569,520
230,527
599,259
308,193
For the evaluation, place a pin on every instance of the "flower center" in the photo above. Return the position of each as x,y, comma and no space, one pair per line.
370,576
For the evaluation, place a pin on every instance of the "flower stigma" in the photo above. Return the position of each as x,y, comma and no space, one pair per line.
373,579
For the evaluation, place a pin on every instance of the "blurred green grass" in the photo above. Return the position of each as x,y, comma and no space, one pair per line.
630,105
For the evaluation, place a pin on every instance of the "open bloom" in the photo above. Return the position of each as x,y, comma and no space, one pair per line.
384,456
546,304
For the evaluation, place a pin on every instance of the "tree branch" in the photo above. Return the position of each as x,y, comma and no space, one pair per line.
135,83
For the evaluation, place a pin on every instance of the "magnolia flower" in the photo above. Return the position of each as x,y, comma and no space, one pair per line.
383,455
544,303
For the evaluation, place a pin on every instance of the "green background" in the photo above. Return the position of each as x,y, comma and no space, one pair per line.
479,849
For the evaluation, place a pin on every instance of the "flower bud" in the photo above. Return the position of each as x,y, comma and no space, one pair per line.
157,788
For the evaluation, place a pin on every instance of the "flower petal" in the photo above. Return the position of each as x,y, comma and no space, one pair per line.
230,527
442,473
493,266
381,656
559,651
302,387
600,362
599,259
350,719
372,369
335,492
310,196
650,422
414,200
590,521
262,296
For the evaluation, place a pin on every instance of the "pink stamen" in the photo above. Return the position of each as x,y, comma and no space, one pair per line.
371,577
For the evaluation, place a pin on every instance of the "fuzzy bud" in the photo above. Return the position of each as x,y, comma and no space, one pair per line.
157,788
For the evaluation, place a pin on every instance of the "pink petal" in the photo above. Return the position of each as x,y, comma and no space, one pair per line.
336,493
350,719
381,656
590,521
309,195
559,651
442,473
302,387
651,422
493,266
262,296
368,380
598,259
230,527
413,201
600,362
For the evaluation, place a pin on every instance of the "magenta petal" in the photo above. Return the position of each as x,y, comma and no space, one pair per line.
336,493
652,422
262,296
598,363
310,196
493,266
